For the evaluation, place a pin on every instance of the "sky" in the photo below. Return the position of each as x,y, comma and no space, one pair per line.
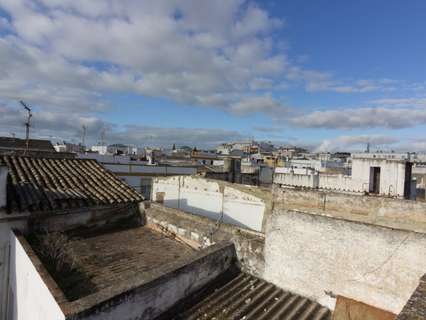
329,75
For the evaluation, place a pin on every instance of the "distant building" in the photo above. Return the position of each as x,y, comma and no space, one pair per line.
101,149
371,174
69,147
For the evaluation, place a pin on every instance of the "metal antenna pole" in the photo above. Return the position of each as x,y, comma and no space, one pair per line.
84,136
27,125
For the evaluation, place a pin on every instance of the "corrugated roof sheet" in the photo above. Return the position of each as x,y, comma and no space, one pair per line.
249,298
45,184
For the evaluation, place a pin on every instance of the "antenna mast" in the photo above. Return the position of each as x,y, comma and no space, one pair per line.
27,125
83,140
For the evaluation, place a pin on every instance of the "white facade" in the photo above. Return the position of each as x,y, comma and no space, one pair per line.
28,295
100,149
392,174
374,175
210,199
224,149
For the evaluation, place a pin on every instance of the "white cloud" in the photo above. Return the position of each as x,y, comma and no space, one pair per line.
259,104
355,143
183,50
384,117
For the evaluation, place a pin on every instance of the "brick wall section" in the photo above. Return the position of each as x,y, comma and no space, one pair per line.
415,309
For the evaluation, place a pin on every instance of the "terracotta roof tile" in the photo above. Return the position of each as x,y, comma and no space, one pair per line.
45,184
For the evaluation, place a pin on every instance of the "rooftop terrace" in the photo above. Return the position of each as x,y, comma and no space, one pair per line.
102,260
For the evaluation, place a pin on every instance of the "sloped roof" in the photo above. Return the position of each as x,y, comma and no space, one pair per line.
45,184
249,298
33,144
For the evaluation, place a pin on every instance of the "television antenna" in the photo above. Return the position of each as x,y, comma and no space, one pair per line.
27,125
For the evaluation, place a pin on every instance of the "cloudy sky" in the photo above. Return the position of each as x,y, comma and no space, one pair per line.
328,74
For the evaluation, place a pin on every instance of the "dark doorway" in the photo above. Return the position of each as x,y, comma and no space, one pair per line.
407,182
374,180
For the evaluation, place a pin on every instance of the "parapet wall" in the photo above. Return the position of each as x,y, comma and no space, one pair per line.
382,211
236,204
160,290
204,232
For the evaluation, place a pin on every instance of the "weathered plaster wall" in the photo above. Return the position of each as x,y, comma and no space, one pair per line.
157,295
231,203
396,213
312,254
29,297
205,232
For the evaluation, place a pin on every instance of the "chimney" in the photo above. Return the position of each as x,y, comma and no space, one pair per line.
3,186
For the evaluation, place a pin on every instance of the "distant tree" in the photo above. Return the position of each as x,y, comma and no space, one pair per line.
174,147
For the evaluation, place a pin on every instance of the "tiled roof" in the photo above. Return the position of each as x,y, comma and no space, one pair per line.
45,184
35,144
250,298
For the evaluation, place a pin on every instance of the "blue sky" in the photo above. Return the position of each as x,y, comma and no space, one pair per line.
331,75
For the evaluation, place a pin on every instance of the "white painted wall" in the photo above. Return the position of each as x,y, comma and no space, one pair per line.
392,174
29,297
392,177
5,227
3,184
300,180
211,199
310,254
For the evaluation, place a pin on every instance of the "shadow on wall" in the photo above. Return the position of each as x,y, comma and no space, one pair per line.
183,205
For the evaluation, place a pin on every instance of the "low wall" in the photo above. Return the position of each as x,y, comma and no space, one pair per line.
299,180
162,290
319,257
341,183
395,213
240,205
85,217
29,297
205,232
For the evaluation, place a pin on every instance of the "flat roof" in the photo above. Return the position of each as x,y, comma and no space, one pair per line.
104,259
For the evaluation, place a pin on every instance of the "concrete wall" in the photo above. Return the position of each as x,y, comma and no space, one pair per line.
299,180
29,297
3,185
311,255
205,232
395,213
231,203
341,183
162,290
